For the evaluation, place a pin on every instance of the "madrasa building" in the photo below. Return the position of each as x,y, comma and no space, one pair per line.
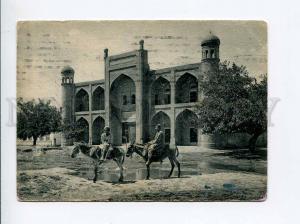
132,98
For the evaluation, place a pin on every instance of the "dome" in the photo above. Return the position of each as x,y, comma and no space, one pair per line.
67,70
210,39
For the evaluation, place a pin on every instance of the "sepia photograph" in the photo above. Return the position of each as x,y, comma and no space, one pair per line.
142,111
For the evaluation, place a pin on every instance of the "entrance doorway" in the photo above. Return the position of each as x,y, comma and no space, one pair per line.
128,132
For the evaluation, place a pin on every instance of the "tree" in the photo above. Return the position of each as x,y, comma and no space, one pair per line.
74,130
233,102
36,119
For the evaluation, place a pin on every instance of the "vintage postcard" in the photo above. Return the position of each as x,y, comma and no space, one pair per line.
142,111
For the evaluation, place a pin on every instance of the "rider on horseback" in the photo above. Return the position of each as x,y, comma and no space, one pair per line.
157,145
106,143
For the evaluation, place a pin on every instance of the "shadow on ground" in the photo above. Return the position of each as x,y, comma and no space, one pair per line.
246,154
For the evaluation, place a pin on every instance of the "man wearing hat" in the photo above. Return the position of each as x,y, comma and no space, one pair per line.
106,143
158,143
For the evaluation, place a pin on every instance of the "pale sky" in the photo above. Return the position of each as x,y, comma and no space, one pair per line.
45,47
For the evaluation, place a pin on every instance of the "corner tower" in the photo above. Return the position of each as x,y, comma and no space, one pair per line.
209,65
67,85
210,54
210,48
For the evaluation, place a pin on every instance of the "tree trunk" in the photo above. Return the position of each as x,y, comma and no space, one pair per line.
34,140
253,140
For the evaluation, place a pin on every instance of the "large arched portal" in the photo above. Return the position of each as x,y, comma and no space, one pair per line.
83,130
164,120
98,99
186,89
97,130
186,128
160,92
123,110
82,101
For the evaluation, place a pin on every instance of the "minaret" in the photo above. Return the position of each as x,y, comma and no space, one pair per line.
210,54
209,65
67,85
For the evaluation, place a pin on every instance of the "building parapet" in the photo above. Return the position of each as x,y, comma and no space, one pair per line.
95,82
177,68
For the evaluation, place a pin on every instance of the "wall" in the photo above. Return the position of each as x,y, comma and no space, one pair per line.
47,140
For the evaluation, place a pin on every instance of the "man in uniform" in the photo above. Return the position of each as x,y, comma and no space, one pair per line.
106,143
157,145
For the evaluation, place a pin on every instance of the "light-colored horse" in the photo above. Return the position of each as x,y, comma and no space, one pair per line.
117,155
169,153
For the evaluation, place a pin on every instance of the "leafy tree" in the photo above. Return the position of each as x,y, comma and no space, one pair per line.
74,130
233,102
36,119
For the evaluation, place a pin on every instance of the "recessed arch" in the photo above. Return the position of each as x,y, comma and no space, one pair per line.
186,89
98,102
82,101
97,130
161,92
123,106
83,127
164,120
186,128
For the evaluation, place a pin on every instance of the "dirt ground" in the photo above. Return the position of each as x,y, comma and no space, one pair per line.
208,175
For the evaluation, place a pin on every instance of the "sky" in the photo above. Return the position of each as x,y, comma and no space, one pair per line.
44,48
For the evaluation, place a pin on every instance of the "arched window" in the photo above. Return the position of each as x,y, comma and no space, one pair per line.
133,99
212,53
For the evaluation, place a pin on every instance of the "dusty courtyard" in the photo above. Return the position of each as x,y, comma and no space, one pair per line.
208,175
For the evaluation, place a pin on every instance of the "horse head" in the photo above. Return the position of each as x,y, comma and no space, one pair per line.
75,151
130,150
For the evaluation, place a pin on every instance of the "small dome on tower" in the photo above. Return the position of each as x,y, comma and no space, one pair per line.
67,70
210,40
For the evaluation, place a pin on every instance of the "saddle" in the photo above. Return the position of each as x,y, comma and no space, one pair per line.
97,151
158,153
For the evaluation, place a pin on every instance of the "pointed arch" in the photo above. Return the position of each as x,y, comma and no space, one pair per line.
97,130
161,91
186,89
122,92
82,101
186,130
164,120
98,102
83,127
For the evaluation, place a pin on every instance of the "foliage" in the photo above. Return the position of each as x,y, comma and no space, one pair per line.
233,102
74,130
36,119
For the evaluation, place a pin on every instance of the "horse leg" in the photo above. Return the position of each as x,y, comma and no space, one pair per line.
172,168
120,165
148,170
95,173
178,165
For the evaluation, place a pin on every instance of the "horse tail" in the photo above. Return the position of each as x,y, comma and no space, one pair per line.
123,159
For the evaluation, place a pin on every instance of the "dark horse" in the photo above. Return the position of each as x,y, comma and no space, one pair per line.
156,157
117,155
